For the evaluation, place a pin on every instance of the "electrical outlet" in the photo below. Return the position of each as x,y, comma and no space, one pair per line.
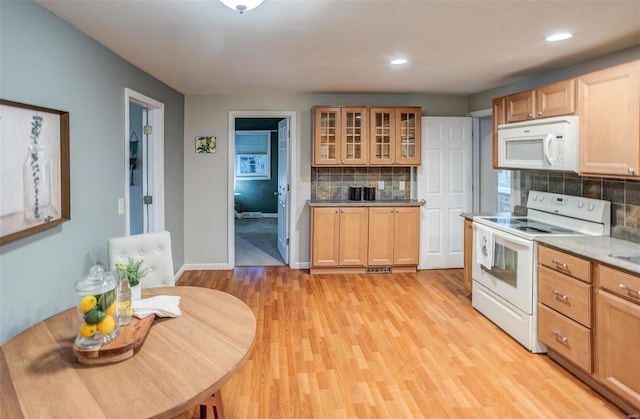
120,206
401,185
381,185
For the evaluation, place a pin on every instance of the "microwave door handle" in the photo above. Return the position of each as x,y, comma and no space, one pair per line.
547,148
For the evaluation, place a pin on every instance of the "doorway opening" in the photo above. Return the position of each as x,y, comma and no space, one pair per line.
492,193
144,164
259,188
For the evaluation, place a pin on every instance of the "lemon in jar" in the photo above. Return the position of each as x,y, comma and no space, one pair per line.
107,325
87,330
111,309
87,303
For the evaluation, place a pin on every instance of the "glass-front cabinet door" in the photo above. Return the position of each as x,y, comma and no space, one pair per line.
408,136
354,136
382,136
327,135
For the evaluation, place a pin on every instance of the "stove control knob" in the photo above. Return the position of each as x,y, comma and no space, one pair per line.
535,197
541,198
591,207
580,204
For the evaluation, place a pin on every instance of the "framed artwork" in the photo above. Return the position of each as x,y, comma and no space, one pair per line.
34,163
253,166
205,144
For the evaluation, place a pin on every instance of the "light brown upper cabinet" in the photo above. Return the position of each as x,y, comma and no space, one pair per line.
609,110
340,136
552,100
395,136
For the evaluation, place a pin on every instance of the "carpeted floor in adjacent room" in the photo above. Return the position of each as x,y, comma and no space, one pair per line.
257,242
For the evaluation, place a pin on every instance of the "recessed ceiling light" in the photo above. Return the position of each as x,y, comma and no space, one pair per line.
558,36
398,61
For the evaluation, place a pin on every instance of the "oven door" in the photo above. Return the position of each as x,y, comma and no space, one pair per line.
511,275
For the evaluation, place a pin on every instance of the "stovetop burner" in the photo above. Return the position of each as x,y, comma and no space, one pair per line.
549,213
527,225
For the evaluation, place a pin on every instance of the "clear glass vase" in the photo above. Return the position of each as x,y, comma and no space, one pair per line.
36,185
96,309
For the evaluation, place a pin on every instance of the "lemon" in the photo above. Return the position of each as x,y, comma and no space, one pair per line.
87,330
111,309
106,325
87,303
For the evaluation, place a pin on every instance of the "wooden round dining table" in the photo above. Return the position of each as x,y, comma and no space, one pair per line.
182,361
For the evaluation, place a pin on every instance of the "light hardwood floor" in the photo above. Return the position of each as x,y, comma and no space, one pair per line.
385,346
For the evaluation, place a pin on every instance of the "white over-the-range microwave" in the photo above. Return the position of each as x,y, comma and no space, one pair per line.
547,144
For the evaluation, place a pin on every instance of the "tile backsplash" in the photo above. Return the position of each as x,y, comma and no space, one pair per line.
623,194
332,183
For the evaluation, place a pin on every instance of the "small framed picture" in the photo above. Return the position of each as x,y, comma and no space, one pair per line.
205,144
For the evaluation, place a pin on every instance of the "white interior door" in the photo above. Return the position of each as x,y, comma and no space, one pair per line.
445,183
283,192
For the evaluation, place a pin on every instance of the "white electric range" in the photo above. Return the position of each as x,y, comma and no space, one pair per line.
505,286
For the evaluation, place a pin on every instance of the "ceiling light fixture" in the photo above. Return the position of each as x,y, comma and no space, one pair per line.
558,36
398,61
242,5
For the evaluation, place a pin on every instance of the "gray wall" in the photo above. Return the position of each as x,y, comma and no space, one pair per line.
45,61
206,243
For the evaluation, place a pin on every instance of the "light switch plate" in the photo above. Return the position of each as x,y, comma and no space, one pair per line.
381,185
120,206
401,185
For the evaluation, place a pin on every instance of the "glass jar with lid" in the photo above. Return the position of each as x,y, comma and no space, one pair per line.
97,303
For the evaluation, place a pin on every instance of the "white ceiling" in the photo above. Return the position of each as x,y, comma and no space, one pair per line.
328,46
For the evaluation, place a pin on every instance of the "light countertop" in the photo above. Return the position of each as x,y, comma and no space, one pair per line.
599,248
376,203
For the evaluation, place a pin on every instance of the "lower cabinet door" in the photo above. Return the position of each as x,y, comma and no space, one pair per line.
354,236
618,346
325,232
406,236
381,226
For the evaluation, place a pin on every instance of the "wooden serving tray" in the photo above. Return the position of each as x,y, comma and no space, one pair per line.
122,347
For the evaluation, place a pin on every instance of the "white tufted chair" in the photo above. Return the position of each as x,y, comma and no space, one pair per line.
154,249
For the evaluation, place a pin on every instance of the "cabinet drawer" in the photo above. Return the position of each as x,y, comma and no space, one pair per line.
565,263
565,294
618,282
566,337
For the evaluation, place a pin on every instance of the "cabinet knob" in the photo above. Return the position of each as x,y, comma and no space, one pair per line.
397,210
631,170
540,113
529,115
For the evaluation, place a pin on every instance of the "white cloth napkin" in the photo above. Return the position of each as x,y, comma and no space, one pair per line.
484,247
160,305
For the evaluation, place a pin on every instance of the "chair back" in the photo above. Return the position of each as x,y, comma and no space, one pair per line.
155,251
